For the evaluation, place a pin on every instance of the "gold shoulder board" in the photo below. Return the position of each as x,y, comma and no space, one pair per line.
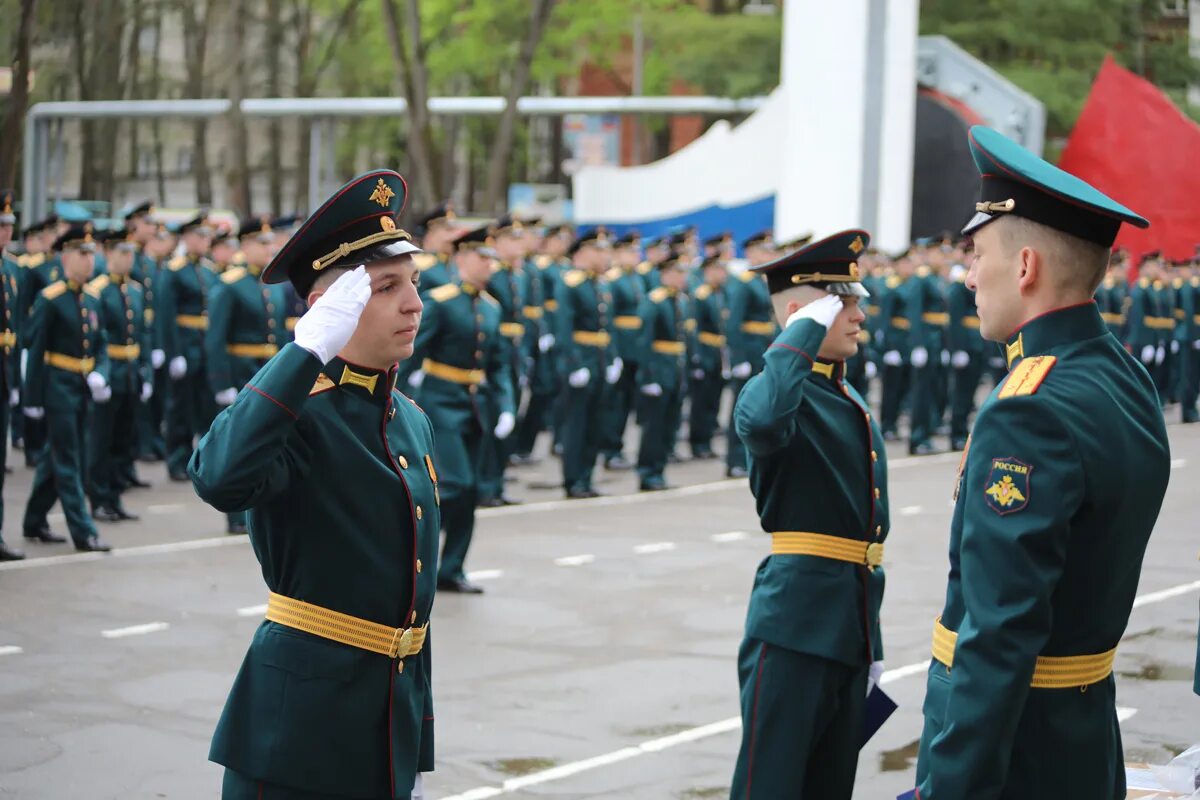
445,292
1027,377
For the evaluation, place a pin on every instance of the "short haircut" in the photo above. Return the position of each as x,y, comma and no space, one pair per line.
327,277
1072,262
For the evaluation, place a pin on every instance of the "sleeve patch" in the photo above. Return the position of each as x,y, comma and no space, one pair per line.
324,384
1008,486
1027,377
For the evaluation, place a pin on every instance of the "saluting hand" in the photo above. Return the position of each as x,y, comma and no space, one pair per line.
823,311
327,327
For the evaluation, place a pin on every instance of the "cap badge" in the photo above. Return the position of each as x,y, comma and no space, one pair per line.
382,194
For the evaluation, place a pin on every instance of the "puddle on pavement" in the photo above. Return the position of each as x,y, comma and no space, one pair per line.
656,731
1160,672
703,793
900,759
520,766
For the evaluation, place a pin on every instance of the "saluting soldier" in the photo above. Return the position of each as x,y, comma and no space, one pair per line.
335,469
1021,682
662,376
966,354
628,294
9,353
812,647
246,320
708,361
438,228
749,333
460,349
67,370
182,297
123,319
587,358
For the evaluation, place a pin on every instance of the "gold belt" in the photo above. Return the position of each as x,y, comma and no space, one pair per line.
290,323
668,348
8,339
628,323
1112,318
1051,672
711,339
971,322
938,318
1160,323
901,323
124,352
80,366
252,350
196,322
592,338
512,330
837,548
759,328
467,377
552,305
533,312
1196,319
345,629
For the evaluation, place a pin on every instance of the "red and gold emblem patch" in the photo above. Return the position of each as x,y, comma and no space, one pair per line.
1008,487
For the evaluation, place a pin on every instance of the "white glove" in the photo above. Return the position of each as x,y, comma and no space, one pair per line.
726,374
960,359
97,385
612,373
945,357
545,342
326,327
1148,354
652,390
823,311
177,368
873,675
416,379
102,395
157,359
870,370
147,391
920,357
522,381
505,425
1174,346
741,371
35,412
1160,354
14,396
1196,345
225,397
698,374
892,358
579,378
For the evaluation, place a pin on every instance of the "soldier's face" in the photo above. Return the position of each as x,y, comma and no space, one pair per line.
78,265
674,278
143,228
841,342
120,262
510,248
197,244
474,268
6,234
628,257
996,276
389,323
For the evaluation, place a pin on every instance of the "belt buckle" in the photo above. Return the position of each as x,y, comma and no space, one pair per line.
874,555
402,641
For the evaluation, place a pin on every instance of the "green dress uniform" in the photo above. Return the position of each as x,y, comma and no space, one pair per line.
123,318
182,297
10,360
65,342
628,296
460,349
545,385
1110,300
1175,343
39,270
505,288
819,477
896,326
1145,320
709,364
662,355
1190,350
749,333
152,413
1047,538
334,468
966,358
928,320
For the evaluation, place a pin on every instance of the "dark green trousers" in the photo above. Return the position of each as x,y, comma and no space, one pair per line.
895,387
1189,381
659,418
5,415
494,453
190,411
965,383
802,723
236,786
457,453
619,401
581,435
60,475
706,405
537,418
735,451
923,411
111,447
150,416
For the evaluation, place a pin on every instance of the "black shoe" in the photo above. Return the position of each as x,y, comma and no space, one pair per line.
460,585
18,444
179,476
617,463
106,514
923,449
737,472
93,544
508,501
524,460
675,458
703,455
8,554
30,460
134,482
124,513
582,494
891,436
490,502
958,445
557,449
236,528
655,486
44,535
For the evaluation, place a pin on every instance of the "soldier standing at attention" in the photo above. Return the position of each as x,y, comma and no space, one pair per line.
460,348
587,359
628,292
749,332
966,354
67,370
709,359
34,274
663,379
9,354
1047,538
437,228
895,325
123,319
812,648
335,469
1190,356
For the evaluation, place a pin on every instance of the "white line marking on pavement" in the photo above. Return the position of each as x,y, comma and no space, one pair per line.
574,561
911,511
252,611
726,726
654,547
1178,463
10,650
166,508
732,536
1125,713
135,630
128,552
484,574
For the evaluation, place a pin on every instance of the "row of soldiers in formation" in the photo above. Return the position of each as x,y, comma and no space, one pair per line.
120,345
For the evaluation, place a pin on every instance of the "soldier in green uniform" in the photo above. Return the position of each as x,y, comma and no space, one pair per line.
966,354
37,266
1111,297
123,319
334,467
1144,320
460,349
1189,359
9,354
438,228
67,369
749,333
143,230
708,358
895,323
246,324
928,319
1020,701
536,344
662,376
587,357
182,315
818,471
628,294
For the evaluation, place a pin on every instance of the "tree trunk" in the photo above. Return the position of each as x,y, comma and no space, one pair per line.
420,148
273,44
502,149
105,76
156,123
239,175
13,130
133,82
87,167
197,16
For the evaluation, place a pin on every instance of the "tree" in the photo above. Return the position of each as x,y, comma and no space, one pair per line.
196,22
412,80
11,133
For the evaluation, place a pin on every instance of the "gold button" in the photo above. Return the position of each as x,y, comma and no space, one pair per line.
481,336
420,566
414,619
400,667
876,494
403,462
874,456
879,530
420,513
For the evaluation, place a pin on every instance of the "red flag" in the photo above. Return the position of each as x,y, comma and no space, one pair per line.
1132,143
